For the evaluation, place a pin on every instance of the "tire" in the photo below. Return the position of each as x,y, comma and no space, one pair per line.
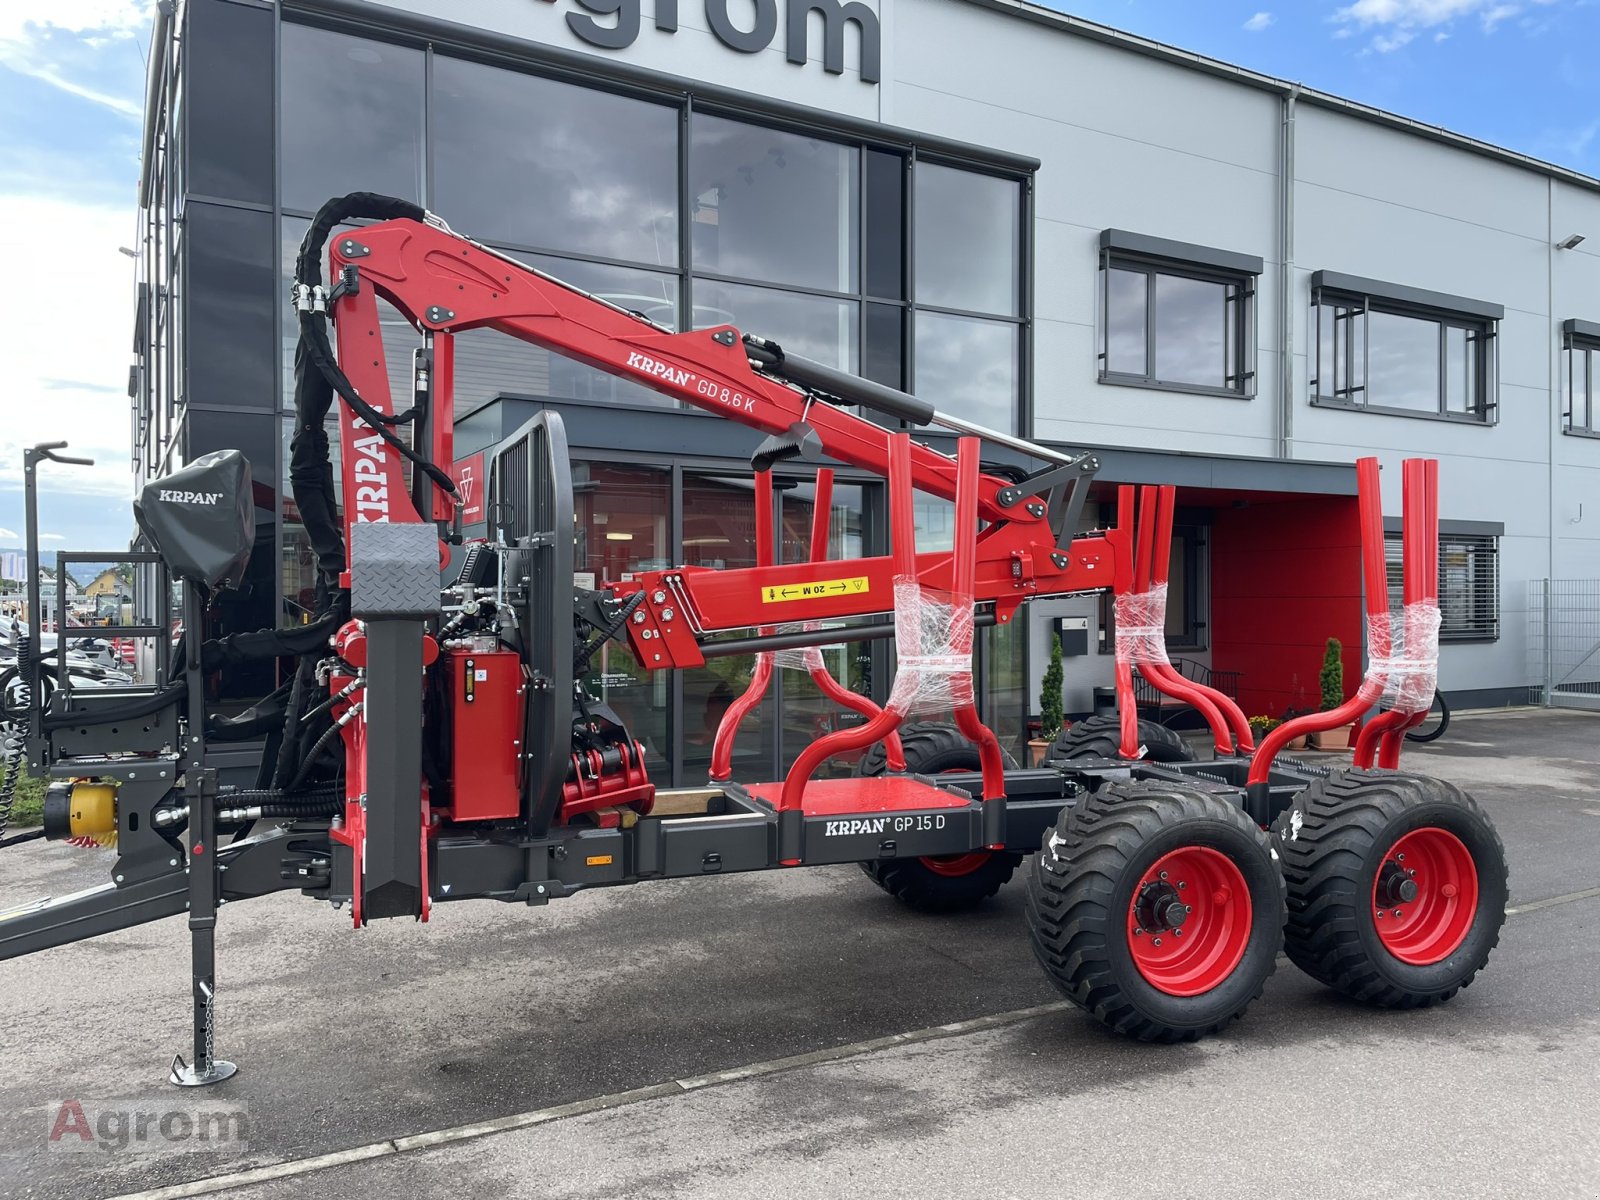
1101,737
932,748
950,883
1429,730
1087,891
1341,840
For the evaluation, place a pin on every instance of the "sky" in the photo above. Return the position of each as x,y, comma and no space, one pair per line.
1519,73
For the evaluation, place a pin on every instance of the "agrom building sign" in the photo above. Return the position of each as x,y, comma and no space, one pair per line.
614,25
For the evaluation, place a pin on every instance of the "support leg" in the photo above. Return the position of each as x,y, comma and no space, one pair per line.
205,1068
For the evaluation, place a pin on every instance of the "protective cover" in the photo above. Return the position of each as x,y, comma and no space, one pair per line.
200,519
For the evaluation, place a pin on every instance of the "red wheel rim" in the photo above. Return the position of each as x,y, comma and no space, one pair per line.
953,865
1187,952
1425,896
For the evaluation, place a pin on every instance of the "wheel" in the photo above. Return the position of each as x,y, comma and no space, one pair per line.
1397,886
1157,909
947,883
1434,724
1101,737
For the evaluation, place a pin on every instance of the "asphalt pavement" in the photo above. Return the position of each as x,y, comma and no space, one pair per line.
799,1032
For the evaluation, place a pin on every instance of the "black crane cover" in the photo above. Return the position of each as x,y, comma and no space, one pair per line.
201,519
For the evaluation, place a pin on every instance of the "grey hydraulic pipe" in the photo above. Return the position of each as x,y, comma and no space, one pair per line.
887,400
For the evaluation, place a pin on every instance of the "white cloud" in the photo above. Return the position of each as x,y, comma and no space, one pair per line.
67,378
9,535
1397,22
101,18
1383,43
37,43
52,537
1259,22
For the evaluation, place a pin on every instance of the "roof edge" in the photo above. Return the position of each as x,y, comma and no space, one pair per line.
1093,31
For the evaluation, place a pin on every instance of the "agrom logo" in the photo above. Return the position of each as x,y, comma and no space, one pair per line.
615,26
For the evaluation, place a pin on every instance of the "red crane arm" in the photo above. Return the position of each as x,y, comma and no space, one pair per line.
445,284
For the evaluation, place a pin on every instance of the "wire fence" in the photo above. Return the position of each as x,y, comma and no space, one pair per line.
1564,641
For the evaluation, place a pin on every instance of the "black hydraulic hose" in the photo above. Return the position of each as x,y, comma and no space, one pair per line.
584,655
313,325
275,805
314,335
345,693
317,748
18,839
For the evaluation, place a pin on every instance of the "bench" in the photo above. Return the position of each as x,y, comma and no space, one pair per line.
1157,706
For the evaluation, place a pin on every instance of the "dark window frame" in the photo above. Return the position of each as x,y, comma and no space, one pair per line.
1580,343
1482,330
1241,335
1482,624
1191,536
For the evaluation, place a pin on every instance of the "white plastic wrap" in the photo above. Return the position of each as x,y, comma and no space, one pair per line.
1409,669
1141,626
803,658
933,647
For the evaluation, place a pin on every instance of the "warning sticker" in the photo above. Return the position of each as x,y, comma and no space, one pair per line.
858,586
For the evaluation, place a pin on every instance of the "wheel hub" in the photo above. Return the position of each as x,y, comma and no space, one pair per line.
1425,896
1159,907
1189,921
1395,884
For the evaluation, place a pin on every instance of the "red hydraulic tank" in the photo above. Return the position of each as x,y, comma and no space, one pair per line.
487,698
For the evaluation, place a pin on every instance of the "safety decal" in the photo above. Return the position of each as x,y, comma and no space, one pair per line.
860,585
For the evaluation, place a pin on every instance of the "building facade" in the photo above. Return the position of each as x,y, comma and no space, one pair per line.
1210,277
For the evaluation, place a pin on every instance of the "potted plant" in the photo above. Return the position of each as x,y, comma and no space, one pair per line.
1332,679
1261,726
1050,707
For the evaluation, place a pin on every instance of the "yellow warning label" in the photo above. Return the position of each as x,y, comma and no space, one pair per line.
784,593
598,860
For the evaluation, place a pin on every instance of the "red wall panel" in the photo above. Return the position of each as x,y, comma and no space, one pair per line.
1285,577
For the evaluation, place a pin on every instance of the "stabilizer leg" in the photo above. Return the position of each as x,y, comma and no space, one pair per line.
204,879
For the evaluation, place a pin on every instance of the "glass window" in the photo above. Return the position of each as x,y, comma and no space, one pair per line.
1174,327
1469,584
531,161
1403,362
719,531
231,301
227,69
399,338
883,355
1127,306
815,327
968,367
1376,355
490,363
352,116
1004,703
1581,378
805,712
624,525
772,206
968,244
884,244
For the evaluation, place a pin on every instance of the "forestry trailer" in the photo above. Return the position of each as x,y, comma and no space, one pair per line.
435,742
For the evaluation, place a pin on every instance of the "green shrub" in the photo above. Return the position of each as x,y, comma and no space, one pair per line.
1333,676
1051,711
27,804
